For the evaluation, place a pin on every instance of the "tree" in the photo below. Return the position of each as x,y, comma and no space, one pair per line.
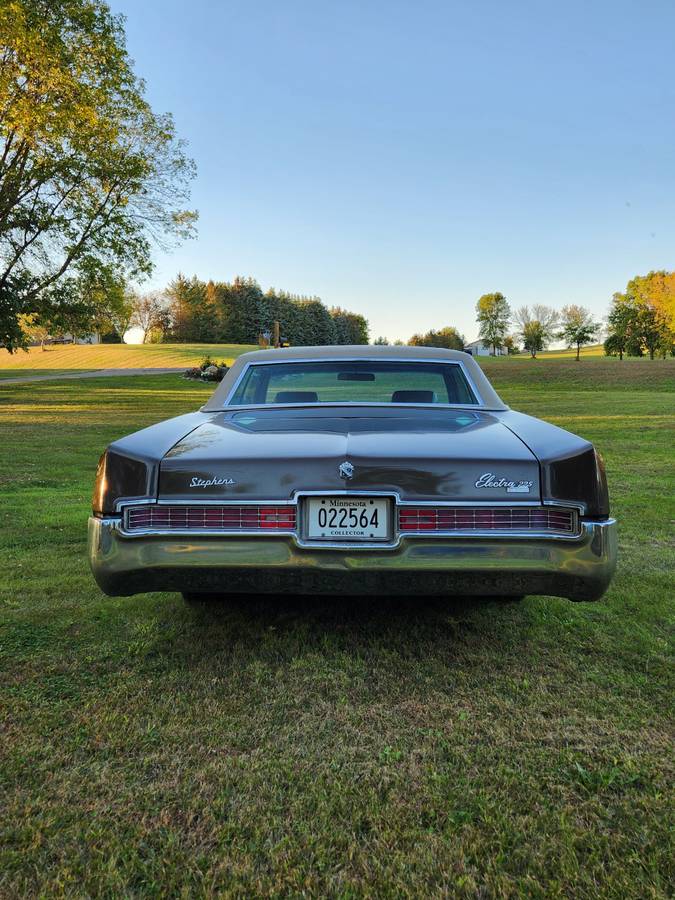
493,316
108,299
90,176
577,327
537,326
120,312
93,301
447,337
622,326
35,330
656,336
194,311
511,345
243,311
319,327
643,318
534,338
149,313
655,290
349,328
381,341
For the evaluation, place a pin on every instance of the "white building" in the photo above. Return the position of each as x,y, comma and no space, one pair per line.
478,348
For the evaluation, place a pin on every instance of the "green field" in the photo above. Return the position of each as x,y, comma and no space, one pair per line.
69,357
66,358
318,747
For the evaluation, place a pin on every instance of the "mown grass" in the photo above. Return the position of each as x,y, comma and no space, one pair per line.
316,747
63,358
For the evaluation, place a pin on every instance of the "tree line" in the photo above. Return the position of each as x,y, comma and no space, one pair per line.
239,312
640,321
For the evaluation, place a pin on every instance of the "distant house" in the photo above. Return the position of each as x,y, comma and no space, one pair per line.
478,348
68,338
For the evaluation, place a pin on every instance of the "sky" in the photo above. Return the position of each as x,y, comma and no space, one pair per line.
402,158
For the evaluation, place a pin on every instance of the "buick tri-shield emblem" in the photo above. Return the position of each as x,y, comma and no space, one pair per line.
346,470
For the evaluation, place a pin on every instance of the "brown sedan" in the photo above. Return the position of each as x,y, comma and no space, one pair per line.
352,470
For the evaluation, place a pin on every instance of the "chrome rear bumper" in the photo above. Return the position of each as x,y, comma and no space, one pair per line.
580,569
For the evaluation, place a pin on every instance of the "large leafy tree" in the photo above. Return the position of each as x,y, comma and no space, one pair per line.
534,337
493,314
657,291
536,326
150,314
577,327
90,176
642,320
95,300
623,327
657,336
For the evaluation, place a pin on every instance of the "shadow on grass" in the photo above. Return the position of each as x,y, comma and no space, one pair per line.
282,628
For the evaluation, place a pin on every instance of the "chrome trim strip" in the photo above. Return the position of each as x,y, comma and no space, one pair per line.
326,404
566,504
122,502
290,501
276,362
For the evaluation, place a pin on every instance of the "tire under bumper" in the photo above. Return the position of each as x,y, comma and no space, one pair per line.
579,569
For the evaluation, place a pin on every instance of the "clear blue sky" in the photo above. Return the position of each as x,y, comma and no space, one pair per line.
402,158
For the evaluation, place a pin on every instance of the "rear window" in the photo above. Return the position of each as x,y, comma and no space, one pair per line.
362,381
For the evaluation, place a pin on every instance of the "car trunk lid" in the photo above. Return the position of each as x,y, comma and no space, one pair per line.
420,454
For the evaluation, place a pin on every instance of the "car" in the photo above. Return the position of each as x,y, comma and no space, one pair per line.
353,470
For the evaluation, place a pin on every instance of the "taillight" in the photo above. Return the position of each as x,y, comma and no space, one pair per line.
544,519
210,517
117,477
580,479
277,517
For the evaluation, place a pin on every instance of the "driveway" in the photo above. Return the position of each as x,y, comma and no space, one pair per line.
98,373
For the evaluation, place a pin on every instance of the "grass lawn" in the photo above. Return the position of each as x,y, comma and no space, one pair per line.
317,747
67,357
593,350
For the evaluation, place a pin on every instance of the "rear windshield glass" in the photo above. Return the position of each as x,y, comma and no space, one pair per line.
359,381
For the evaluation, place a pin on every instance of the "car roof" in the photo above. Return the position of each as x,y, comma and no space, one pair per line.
361,352
352,351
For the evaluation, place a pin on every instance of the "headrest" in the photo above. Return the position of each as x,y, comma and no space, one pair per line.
413,397
296,397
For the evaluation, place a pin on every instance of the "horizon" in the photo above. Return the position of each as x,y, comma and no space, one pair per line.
401,161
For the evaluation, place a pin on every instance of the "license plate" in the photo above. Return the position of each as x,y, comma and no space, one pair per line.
348,519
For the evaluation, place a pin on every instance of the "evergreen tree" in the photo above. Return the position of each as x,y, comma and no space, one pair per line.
193,315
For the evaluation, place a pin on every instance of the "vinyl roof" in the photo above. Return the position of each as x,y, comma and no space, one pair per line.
356,351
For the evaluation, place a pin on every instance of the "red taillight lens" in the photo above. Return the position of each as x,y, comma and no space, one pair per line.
277,517
210,517
470,519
